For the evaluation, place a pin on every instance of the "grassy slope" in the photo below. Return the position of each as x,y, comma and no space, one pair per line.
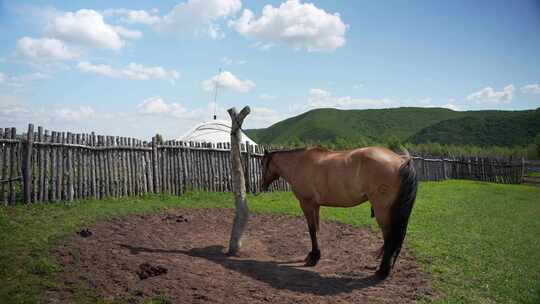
329,124
478,240
377,126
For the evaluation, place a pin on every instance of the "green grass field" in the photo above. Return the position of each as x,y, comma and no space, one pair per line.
479,241
534,174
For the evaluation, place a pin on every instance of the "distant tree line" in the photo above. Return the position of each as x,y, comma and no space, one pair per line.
531,151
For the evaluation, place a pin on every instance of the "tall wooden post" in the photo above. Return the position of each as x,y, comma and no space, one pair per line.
239,182
523,171
248,168
27,164
155,168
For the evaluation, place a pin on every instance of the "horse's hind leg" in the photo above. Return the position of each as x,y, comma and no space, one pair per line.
382,215
311,211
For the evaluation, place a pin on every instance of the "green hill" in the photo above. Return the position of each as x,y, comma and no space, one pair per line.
493,129
416,125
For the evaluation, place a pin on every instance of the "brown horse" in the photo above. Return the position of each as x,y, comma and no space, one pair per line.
320,177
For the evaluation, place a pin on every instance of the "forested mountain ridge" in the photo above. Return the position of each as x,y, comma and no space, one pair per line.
413,125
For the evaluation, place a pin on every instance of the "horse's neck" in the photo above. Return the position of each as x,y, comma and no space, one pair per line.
286,163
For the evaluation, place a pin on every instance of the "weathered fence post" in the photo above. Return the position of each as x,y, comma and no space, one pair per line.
155,173
27,164
13,168
520,181
239,183
248,168
444,175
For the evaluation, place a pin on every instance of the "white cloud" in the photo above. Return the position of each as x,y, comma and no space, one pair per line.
33,77
531,89
43,49
138,71
229,61
227,80
77,114
127,33
426,102
132,71
451,106
263,117
100,69
261,46
193,17
133,16
198,17
320,99
158,108
488,94
156,105
267,97
87,27
22,80
318,94
12,110
302,25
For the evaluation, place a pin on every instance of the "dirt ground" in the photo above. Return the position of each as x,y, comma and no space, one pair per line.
179,253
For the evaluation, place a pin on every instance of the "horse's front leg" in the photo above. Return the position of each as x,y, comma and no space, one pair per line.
311,211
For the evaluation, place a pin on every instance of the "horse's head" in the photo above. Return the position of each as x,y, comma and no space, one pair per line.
269,171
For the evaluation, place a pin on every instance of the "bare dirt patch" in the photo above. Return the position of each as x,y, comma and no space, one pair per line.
188,245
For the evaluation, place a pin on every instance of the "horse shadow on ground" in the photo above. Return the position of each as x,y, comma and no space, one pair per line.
279,275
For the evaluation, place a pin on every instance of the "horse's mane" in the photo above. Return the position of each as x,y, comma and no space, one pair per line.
317,148
289,150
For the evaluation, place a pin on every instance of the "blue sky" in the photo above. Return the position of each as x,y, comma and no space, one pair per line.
134,68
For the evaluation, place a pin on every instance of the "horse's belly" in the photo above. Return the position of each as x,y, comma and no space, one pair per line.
343,204
344,200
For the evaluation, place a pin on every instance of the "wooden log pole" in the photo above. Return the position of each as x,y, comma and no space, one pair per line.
47,166
41,169
144,173
13,168
61,189
155,167
27,164
77,165
70,169
239,182
54,167
3,168
93,167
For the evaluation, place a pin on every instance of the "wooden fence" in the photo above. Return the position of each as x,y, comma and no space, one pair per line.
494,170
43,166
48,166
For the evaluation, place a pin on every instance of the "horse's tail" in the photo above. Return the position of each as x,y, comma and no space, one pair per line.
400,212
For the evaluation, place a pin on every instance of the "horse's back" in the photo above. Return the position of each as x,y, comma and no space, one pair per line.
349,176
378,155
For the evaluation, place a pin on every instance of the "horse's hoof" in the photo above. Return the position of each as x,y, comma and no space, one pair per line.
313,258
382,274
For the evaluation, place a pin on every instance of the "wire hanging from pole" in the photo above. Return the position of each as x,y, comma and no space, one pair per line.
215,93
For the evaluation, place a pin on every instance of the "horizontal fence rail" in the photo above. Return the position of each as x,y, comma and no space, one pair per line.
44,166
